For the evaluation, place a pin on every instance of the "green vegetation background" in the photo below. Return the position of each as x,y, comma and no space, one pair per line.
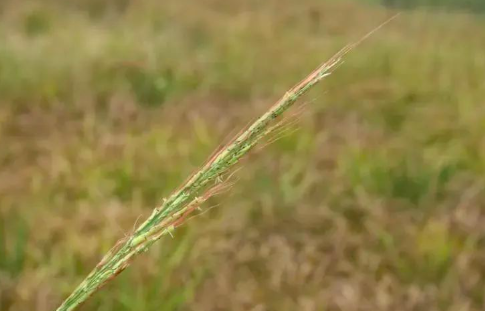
376,202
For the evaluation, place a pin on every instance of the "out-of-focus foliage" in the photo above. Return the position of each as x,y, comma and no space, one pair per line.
471,5
376,202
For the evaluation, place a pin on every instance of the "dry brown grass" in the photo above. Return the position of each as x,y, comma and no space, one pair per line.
387,193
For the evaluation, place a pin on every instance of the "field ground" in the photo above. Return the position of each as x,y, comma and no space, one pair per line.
376,202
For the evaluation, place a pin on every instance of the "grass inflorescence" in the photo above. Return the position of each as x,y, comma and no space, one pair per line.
195,191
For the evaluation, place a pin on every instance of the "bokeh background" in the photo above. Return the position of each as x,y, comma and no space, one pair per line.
375,202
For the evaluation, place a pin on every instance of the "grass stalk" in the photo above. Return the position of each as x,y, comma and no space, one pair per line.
198,188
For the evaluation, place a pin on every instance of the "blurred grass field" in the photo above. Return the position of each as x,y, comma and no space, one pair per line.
376,202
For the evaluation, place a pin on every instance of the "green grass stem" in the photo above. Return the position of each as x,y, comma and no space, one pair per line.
193,192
